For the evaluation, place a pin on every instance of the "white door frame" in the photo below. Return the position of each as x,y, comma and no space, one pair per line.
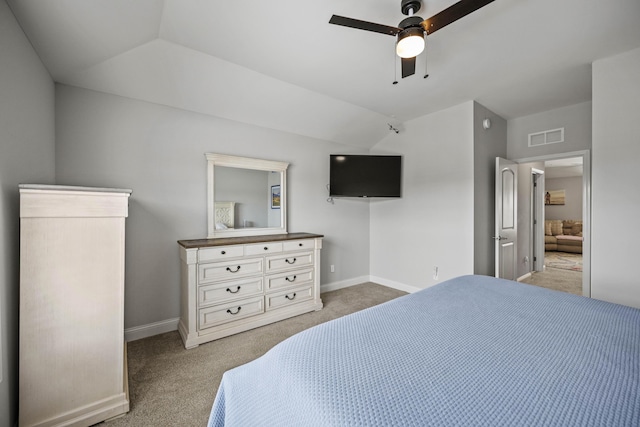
536,245
586,209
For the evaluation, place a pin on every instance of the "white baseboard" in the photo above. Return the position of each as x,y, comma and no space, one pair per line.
145,331
524,276
327,287
334,286
395,285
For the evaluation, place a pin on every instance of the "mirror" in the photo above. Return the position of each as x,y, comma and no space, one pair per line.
245,196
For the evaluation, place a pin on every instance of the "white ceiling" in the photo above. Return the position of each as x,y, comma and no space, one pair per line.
563,168
279,64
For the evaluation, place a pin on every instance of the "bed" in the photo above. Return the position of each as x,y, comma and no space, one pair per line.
474,350
225,214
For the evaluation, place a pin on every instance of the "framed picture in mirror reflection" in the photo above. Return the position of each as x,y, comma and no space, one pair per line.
275,197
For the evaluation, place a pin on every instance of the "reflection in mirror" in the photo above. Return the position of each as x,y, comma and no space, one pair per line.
246,196
250,190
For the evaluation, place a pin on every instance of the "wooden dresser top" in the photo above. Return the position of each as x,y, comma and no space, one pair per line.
224,241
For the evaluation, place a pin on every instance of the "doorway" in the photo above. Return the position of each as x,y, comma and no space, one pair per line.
536,227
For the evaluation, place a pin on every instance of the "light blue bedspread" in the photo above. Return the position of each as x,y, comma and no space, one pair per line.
472,351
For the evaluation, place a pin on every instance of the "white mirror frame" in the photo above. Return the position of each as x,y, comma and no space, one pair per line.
214,160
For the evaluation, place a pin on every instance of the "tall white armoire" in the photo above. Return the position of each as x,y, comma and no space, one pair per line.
73,369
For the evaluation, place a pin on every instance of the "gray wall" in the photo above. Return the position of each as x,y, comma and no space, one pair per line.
488,144
572,208
432,224
26,155
158,152
615,177
576,119
445,217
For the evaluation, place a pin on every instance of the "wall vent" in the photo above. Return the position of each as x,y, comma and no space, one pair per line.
552,136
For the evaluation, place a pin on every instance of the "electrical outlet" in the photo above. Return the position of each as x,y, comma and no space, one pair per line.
333,268
435,272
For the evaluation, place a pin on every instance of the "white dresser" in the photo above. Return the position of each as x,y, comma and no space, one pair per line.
73,368
230,285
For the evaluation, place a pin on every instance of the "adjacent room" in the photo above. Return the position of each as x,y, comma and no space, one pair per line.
564,189
346,213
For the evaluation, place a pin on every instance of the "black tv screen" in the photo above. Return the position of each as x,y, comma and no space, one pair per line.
364,175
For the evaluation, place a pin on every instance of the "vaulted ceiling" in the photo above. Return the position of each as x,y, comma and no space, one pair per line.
279,64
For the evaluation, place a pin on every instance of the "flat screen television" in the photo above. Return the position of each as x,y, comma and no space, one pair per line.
357,175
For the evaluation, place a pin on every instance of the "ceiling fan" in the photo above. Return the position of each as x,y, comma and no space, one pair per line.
410,31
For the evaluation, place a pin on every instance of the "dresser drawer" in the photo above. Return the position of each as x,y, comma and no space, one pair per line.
292,260
229,270
220,292
263,248
290,278
289,297
298,245
223,313
220,253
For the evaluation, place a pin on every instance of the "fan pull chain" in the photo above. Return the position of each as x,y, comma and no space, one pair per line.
426,58
395,68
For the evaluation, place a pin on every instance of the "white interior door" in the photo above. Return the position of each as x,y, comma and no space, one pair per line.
506,232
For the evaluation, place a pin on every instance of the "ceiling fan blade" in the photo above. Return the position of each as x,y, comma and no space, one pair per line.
364,25
408,67
452,14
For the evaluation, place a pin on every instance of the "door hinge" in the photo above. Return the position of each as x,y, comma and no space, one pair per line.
535,259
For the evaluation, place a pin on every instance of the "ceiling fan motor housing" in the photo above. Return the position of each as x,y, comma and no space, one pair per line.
412,21
407,5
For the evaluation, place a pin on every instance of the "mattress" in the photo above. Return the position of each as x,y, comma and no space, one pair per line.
474,350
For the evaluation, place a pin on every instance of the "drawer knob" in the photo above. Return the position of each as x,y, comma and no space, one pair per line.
223,252
234,292
236,312
290,280
233,271
266,248
299,244
290,262
291,298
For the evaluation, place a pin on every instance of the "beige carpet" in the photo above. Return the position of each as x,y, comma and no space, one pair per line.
557,279
563,260
171,386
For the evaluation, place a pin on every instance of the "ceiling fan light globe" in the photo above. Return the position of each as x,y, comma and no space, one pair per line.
410,43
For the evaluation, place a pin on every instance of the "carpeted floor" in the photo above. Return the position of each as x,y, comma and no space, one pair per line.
563,260
563,272
557,279
171,386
